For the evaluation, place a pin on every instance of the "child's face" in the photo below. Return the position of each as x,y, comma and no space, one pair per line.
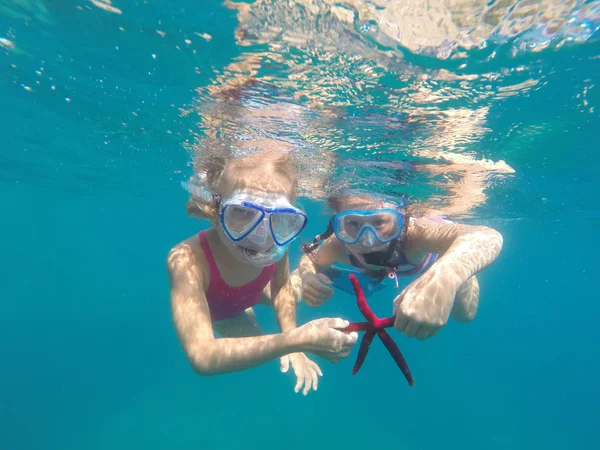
260,186
237,220
382,224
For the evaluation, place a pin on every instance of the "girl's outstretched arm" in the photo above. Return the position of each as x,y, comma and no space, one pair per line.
465,249
210,356
423,307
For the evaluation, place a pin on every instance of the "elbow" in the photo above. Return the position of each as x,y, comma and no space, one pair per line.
202,371
490,235
202,362
497,238
201,366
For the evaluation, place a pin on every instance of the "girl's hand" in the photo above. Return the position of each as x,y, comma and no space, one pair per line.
307,371
423,308
323,338
316,289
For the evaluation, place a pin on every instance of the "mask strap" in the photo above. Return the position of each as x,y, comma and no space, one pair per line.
310,249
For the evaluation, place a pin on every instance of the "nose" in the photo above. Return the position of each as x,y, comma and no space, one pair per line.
260,233
368,238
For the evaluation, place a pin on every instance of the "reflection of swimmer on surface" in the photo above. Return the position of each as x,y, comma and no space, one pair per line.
464,186
439,134
378,241
240,109
462,176
216,277
463,183
439,28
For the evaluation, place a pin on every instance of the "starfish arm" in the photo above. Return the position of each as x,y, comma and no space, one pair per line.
355,326
388,322
364,349
396,354
362,301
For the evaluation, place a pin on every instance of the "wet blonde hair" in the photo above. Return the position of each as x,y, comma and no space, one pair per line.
367,201
266,170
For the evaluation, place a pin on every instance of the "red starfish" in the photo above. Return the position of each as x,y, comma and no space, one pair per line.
374,325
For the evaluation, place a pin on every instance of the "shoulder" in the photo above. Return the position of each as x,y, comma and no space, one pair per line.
180,257
186,256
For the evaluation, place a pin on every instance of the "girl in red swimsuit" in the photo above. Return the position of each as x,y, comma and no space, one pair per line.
218,276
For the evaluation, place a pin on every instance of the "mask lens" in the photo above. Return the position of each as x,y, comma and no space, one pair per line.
239,220
384,225
286,226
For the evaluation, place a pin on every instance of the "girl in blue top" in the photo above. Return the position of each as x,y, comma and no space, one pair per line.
378,240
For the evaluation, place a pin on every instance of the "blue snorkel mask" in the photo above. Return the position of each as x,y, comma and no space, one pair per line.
368,227
263,225
378,234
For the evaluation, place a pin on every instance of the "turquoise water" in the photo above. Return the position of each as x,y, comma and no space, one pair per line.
94,146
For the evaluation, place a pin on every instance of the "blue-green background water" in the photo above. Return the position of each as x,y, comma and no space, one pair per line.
90,208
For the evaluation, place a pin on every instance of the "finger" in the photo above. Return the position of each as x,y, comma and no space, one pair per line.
423,333
311,297
434,332
318,369
345,353
299,382
314,378
349,340
284,363
338,323
325,279
307,383
411,329
322,290
398,301
401,322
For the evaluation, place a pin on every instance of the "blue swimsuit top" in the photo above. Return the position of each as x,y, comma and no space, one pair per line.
339,274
